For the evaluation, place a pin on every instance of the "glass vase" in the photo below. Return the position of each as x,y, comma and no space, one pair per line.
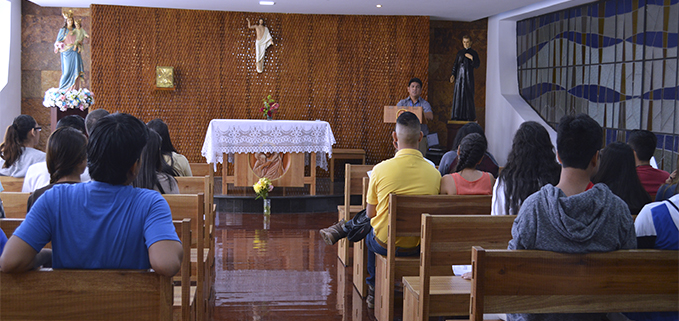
267,206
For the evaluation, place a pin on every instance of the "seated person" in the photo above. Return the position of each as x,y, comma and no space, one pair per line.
449,159
568,218
93,117
38,175
657,227
104,223
670,188
618,172
18,151
643,142
467,180
388,177
154,173
177,161
66,160
531,164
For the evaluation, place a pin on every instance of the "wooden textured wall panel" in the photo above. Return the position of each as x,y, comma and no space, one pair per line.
340,69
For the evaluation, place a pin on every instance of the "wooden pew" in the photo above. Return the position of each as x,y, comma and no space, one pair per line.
85,295
353,185
14,203
405,213
361,252
12,184
529,281
447,240
8,225
182,293
202,169
192,206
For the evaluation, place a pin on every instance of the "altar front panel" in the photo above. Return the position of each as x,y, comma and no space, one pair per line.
291,169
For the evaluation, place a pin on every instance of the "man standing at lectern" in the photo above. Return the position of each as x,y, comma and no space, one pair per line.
414,100
463,77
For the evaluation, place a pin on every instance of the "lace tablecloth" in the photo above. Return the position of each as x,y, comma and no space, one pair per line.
251,136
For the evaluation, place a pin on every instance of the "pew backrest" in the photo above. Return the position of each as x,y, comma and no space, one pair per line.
353,181
188,206
85,295
448,239
531,281
202,169
8,225
405,220
14,203
12,184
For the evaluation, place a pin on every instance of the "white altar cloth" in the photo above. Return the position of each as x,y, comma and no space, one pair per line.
269,136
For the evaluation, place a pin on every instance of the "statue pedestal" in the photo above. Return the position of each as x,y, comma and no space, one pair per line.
453,126
56,115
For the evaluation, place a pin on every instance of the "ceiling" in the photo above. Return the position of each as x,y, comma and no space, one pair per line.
455,10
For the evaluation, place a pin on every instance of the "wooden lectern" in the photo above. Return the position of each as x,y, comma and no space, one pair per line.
392,112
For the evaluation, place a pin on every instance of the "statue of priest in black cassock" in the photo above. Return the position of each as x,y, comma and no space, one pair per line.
463,77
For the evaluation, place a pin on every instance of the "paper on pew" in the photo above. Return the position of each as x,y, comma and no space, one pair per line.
461,269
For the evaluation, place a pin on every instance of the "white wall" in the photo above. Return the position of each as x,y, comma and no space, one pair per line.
10,95
505,109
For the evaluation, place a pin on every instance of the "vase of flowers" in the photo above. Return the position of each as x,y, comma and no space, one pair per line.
262,189
270,107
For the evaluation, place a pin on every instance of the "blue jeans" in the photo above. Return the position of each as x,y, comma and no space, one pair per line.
374,247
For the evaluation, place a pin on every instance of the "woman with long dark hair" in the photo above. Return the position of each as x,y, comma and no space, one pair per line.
531,164
177,161
18,151
618,171
66,160
154,173
467,180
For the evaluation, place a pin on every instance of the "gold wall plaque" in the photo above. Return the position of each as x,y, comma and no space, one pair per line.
164,77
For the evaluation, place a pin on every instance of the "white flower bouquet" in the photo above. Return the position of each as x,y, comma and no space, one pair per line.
72,99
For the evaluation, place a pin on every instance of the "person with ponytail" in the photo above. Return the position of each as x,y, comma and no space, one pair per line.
531,164
18,151
66,160
467,180
154,173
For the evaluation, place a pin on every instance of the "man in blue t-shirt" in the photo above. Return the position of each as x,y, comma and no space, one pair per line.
105,223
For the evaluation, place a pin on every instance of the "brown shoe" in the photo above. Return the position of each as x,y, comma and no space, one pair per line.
333,233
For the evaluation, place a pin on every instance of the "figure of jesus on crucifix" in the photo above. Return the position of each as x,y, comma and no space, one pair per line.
263,41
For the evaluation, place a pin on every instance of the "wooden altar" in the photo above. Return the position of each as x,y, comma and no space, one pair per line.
275,149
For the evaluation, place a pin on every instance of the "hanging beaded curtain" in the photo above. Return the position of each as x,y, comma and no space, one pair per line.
340,69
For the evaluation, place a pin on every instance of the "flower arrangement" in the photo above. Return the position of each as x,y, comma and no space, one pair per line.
73,99
262,187
270,107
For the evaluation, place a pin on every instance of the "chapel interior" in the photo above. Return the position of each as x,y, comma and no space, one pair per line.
614,60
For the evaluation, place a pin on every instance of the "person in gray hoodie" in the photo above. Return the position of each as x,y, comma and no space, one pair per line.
574,216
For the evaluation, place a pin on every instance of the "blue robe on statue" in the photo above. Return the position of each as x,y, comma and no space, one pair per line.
72,71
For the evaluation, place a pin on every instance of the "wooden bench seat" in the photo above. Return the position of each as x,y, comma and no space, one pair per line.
405,219
343,153
12,184
447,240
14,204
192,206
530,281
85,295
353,185
448,293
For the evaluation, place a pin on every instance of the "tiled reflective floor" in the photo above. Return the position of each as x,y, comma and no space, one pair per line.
285,272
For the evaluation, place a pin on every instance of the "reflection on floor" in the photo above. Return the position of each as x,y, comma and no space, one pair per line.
285,272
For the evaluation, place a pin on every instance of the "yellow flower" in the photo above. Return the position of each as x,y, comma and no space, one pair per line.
257,187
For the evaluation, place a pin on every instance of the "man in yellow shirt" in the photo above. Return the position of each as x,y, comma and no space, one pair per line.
407,173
